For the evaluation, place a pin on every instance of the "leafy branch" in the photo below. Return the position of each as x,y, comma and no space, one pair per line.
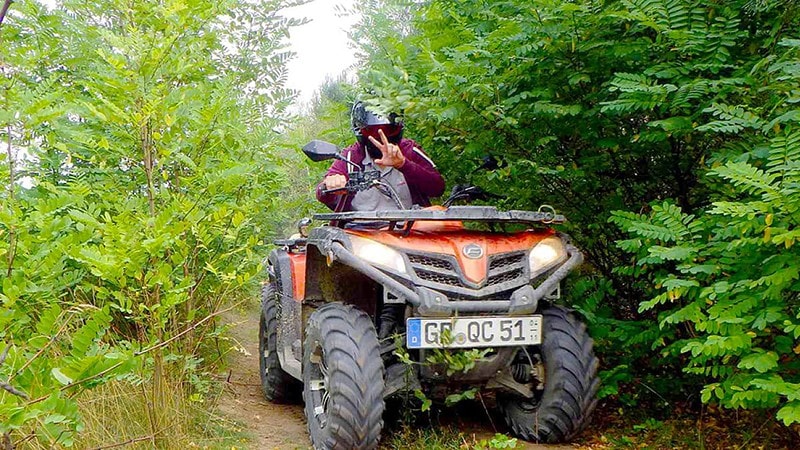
6,384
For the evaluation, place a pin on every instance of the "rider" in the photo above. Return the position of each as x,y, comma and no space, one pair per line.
380,145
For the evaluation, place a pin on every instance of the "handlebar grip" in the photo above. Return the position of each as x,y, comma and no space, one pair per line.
334,191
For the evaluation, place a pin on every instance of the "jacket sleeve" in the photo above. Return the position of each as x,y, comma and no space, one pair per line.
337,168
420,172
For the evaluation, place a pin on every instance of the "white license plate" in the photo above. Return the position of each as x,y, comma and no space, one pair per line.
466,332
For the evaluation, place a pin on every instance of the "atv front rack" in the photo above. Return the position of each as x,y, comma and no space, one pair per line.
545,215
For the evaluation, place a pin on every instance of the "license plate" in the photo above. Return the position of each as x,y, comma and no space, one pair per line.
468,332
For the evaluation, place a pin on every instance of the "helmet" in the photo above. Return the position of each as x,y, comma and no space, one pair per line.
366,123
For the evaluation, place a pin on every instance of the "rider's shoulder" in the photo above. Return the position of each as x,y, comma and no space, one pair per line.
412,149
409,145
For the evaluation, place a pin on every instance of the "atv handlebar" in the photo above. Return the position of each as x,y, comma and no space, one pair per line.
357,181
334,191
469,192
363,180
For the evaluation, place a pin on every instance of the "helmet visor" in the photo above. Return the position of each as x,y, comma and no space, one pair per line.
391,131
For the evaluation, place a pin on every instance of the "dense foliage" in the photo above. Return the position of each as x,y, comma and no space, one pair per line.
143,165
139,160
681,115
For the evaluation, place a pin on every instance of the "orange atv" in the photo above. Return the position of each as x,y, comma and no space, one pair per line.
337,299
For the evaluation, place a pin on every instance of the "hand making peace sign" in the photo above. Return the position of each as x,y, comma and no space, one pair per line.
392,155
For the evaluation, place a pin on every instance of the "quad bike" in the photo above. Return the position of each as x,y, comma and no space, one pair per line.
338,297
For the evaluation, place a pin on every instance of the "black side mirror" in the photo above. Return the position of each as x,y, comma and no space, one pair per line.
489,162
317,150
302,226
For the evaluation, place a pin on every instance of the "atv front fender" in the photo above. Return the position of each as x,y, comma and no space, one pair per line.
288,312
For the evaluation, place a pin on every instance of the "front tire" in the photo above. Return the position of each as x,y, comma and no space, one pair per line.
570,383
277,385
343,379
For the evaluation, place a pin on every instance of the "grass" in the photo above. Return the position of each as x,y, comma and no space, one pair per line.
116,416
444,438
711,429
466,427
411,438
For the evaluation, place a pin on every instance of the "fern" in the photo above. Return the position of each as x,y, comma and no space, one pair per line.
740,209
85,337
677,253
693,312
677,14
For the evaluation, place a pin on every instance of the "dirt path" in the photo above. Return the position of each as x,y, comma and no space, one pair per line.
283,427
270,426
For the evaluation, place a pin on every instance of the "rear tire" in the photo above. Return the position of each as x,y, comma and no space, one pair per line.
343,379
277,385
570,383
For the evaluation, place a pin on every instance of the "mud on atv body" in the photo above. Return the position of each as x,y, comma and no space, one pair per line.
336,298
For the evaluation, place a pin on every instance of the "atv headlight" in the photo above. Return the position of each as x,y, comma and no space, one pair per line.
547,253
377,253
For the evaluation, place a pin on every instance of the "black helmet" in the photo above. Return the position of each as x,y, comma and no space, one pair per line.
366,123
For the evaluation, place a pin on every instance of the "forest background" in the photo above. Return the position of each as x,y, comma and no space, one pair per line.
150,158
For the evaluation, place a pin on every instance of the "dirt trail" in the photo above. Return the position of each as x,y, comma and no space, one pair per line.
282,427
271,426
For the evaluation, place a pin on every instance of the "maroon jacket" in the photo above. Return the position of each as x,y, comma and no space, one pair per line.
424,181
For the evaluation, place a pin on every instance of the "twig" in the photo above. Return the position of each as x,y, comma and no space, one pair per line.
5,385
6,442
129,441
753,435
177,336
29,437
654,392
700,437
3,12
487,412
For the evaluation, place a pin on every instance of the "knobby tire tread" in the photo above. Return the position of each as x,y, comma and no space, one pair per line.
276,385
355,378
571,383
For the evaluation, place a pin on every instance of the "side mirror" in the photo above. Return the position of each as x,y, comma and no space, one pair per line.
317,150
302,226
489,162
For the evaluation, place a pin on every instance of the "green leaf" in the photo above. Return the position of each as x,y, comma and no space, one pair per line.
762,362
789,413
58,375
426,402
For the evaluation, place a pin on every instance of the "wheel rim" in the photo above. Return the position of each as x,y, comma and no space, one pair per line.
318,386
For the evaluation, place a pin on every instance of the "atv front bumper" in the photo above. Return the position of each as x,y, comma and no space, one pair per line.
430,302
